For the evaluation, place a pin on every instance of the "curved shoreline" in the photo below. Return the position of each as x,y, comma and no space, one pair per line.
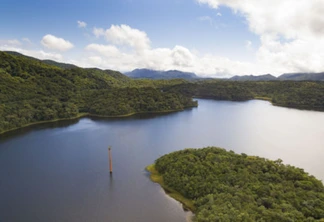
81,115
225,185
187,204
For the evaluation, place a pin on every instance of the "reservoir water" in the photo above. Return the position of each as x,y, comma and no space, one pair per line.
60,172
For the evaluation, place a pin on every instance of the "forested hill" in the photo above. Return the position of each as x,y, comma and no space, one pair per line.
266,77
174,74
153,74
33,91
302,95
302,77
47,61
225,186
283,77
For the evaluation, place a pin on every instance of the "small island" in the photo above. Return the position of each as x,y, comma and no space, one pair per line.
220,185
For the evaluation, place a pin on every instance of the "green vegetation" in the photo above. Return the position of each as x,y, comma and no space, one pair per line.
33,91
303,95
157,178
225,186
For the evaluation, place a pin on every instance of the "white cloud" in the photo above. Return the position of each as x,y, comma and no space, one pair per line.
248,45
125,35
219,14
179,57
55,43
291,40
289,18
81,24
115,56
40,54
118,57
98,32
105,50
95,60
43,55
295,56
10,42
182,57
17,46
291,32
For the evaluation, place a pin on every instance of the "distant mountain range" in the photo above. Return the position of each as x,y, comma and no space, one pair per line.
284,77
175,74
153,74
267,77
303,76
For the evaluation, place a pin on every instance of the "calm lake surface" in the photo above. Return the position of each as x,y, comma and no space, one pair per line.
59,171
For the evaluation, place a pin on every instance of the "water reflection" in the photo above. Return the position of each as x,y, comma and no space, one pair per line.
37,127
111,183
60,171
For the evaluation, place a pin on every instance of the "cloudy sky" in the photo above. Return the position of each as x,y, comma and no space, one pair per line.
217,38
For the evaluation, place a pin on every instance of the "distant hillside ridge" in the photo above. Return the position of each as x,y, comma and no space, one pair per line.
302,76
33,91
154,74
176,74
267,77
283,77
46,61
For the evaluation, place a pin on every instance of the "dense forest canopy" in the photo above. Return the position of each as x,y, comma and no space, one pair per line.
304,95
32,90
230,187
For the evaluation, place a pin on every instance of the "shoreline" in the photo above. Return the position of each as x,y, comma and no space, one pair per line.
264,99
155,177
81,115
268,99
135,113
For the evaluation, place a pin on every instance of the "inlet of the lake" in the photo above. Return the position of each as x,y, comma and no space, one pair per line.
60,172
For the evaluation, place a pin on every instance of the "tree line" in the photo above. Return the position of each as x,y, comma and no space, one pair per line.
302,94
226,186
32,90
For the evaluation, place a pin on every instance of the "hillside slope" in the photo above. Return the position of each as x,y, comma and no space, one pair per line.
266,77
33,91
153,74
302,77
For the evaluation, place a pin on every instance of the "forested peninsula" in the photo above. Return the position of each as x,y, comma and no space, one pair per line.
220,185
33,91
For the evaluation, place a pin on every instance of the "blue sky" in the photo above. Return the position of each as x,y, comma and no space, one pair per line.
209,37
